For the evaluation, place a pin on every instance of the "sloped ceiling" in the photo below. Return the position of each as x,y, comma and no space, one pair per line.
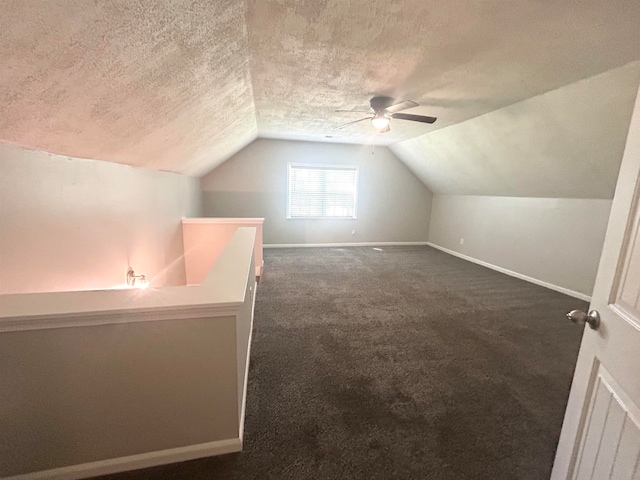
567,143
160,84
181,85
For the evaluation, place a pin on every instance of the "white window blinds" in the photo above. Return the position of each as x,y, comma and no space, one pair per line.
327,191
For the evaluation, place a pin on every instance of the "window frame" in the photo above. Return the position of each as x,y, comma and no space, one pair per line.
320,166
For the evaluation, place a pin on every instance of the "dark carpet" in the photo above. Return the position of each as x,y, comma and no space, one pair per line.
400,363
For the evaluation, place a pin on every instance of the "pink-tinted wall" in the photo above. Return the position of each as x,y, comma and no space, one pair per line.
205,238
72,224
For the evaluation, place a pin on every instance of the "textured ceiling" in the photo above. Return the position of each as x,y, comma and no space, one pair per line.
164,85
567,143
458,59
181,85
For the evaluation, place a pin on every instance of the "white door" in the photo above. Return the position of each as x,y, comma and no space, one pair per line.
600,436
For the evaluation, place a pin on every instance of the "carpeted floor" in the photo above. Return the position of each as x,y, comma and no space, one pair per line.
400,363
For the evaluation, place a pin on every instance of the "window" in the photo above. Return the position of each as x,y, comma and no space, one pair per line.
321,191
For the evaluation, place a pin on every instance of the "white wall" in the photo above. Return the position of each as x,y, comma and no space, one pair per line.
74,224
393,205
145,387
555,240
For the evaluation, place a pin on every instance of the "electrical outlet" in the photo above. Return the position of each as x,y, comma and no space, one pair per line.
461,241
353,232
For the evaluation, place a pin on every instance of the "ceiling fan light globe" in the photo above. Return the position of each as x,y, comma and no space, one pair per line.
380,122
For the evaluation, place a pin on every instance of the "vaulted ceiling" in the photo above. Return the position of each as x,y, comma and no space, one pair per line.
182,85
566,143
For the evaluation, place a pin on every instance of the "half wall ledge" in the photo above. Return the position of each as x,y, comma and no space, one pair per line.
204,239
97,382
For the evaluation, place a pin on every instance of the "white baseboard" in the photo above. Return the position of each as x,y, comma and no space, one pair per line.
134,462
542,283
357,244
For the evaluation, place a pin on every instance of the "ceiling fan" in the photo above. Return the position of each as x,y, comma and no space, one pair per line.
384,110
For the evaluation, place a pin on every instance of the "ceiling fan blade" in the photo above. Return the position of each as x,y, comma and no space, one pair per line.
353,111
413,118
350,123
401,106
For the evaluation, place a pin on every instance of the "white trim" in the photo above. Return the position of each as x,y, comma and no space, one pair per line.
84,319
356,244
241,221
134,462
542,283
246,367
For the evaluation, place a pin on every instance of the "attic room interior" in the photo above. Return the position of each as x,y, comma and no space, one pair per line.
319,239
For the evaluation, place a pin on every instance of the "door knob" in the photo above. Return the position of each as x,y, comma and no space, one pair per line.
579,317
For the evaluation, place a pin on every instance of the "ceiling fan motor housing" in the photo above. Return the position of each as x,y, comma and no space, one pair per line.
380,103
